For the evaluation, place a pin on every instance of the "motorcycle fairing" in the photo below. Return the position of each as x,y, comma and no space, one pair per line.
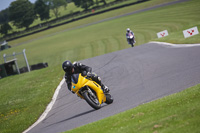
78,82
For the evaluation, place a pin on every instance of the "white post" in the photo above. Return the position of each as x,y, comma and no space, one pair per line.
17,67
26,60
4,56
14,55
16,63
0,55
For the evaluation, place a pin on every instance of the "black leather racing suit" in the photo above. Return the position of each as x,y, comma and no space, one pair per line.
80,68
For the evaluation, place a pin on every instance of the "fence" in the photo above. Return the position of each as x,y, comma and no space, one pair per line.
11,57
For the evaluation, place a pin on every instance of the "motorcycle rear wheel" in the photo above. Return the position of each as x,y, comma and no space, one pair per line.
93,102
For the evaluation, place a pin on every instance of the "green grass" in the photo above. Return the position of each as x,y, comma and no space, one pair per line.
24,97
177,113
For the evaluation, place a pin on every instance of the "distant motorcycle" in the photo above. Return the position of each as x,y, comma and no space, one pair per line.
131,39
90,91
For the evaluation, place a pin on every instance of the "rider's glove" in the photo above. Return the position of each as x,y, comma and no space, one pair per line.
89,75
84,73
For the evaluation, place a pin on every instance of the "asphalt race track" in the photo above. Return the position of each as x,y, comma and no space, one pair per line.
134,75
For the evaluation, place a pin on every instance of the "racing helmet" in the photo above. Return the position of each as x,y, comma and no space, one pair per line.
128,29
67,66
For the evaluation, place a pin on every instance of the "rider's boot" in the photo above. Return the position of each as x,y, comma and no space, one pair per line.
105,88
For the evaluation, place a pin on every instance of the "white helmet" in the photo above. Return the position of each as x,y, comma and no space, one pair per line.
128,29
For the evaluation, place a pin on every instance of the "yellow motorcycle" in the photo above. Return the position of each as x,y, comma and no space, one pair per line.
89,90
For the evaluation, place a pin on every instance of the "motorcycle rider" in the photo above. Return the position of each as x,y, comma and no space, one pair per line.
75,68
128,31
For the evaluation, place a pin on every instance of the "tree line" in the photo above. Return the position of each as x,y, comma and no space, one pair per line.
22,13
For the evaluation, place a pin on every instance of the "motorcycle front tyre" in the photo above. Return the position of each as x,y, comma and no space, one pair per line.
90,101
132,45
109,99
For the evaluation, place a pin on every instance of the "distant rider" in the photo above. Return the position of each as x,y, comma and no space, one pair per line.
75,68
128,32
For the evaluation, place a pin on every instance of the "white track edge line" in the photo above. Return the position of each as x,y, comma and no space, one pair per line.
176,45
48,108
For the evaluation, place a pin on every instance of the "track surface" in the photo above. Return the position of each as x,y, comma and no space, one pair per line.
134,75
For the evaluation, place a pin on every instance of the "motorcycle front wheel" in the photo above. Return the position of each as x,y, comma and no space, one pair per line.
109,99
91,100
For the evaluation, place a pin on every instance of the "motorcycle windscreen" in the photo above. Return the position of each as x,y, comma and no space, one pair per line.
74,78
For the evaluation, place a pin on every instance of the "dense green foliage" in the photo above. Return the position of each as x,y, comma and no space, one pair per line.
4,28
4,16
21,13
55,5
83,3
42,10
4,19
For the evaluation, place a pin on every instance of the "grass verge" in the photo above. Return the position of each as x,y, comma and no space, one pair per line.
177,113
24,97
